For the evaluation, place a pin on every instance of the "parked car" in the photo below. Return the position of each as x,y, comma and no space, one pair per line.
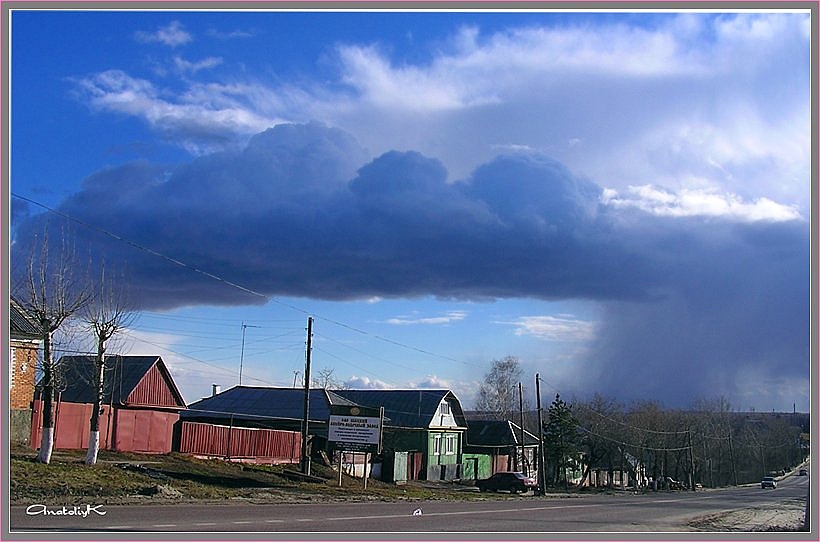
509,481
803,472
768,481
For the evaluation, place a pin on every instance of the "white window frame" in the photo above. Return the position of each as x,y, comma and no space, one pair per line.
444,408
450,444
437,445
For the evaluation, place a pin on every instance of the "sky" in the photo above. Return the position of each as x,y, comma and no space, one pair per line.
621,200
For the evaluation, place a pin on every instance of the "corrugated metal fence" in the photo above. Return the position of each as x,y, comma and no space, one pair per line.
267,445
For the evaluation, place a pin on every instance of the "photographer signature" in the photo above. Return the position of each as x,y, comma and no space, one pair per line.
81,511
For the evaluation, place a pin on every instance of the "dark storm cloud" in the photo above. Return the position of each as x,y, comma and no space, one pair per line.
731,319
299,212
19,210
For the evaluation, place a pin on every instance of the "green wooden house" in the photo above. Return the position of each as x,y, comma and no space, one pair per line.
423,433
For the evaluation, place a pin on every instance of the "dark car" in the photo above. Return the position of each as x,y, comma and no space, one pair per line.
768,482
803,472
509,481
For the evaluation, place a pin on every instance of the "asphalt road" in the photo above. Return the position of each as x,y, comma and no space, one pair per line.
652,512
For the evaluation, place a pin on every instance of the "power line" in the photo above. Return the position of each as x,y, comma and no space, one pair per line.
229,283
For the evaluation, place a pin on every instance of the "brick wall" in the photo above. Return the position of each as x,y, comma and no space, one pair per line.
23,361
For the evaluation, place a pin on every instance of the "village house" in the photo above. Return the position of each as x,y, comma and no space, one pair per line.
423,435
141,404
257,424
24,345
495,445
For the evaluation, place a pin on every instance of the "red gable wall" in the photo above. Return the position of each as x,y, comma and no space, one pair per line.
153,390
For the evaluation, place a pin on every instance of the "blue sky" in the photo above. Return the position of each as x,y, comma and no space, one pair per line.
620,200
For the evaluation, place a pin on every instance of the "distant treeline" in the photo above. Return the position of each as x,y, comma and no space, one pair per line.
708,445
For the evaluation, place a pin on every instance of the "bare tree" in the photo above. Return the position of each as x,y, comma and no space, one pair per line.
326,379
499,391
107,314
51,295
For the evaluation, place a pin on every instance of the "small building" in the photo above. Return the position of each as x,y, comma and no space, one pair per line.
259,424
619,472
495,445
24,346
423,433
141,404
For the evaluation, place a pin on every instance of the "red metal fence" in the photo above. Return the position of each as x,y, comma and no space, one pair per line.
264,445
121,429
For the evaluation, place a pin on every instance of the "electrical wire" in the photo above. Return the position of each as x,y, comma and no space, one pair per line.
229,283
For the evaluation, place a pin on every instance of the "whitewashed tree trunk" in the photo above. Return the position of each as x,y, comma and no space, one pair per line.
93,448
46,445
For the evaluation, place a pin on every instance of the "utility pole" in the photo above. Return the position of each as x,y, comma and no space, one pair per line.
242,351
521,418
305,449
542,471
691,459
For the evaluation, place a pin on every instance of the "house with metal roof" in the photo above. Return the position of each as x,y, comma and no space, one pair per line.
141,404
495,445
423,433
253,423
24,346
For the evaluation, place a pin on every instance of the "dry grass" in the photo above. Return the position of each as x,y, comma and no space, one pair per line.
132,478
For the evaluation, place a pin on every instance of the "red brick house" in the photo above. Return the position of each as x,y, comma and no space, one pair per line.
24,345
141,404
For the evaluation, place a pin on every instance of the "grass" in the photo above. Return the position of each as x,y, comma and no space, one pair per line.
121,478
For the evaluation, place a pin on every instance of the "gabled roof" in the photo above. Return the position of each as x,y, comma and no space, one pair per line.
497,433
21,325
125,381
530,418
252,403
407,408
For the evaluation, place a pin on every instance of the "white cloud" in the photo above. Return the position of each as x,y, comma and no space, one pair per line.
365,383
431,382
234,34
204,117
717,98
554,328
183,65
171,35
450,317
740,116
699,202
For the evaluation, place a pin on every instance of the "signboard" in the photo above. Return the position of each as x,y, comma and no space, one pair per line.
355,431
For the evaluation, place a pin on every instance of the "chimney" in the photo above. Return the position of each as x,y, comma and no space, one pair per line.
215,389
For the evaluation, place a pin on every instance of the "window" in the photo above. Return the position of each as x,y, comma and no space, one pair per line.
444,408
437,445
450,444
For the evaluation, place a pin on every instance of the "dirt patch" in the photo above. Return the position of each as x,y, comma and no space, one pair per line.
787,516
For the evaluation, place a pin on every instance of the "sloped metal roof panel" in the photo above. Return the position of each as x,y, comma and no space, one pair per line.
123,374
21,325
253,402
406,408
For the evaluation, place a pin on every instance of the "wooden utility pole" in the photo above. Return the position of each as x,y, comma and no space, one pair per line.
521,419
242,350
691,460
542,471
305,449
